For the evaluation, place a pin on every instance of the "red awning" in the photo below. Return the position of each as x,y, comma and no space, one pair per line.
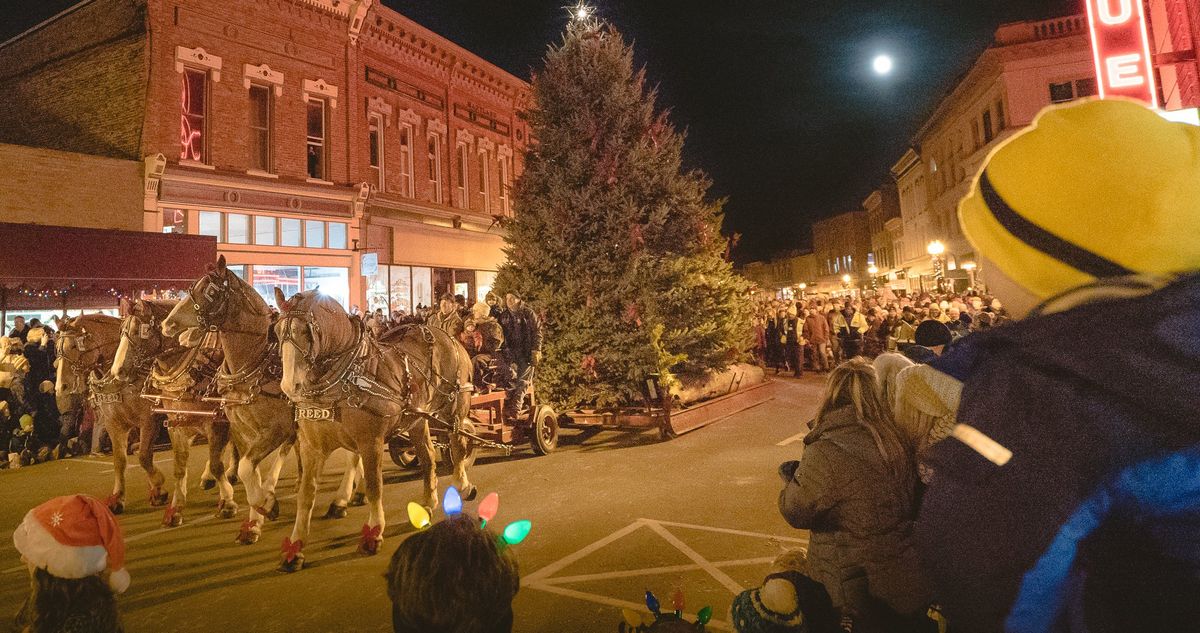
66,262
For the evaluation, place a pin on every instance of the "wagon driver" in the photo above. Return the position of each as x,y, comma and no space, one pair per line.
522,343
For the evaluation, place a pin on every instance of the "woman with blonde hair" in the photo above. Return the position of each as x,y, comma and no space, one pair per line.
854,489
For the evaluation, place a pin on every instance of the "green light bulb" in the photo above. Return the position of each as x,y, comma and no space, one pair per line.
517,531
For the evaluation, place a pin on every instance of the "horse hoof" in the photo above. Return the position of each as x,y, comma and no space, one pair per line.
159,499
470,494
116,507
248,535
227,511
208,484
336,511
358,499
172,519
291,566
273,513
369,546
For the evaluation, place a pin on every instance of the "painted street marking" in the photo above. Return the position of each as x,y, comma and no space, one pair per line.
545,580
132,463
795,438
729,583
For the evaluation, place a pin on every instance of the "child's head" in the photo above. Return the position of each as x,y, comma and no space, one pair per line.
76,556
452,578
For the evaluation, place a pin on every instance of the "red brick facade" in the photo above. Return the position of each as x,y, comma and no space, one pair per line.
108,77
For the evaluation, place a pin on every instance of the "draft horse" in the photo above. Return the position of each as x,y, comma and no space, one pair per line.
87,346
179,377
261,417
354,391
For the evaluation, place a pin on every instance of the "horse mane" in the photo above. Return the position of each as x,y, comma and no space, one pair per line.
160,308
75,325
335,323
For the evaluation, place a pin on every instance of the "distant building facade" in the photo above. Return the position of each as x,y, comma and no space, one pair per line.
302,134
841,245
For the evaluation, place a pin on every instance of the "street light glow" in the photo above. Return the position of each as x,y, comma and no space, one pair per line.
936,248
883,64
845,279
873,270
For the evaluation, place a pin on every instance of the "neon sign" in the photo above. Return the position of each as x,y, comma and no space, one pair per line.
191,118
1121,47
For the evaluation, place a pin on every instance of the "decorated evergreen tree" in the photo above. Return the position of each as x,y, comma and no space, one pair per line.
612,241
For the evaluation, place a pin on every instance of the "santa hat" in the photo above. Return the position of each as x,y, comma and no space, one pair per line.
74,537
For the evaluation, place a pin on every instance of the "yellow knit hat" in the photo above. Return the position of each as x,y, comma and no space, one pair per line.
1091,190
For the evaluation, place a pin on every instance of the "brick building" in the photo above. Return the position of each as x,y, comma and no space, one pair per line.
885,225
841,245
303,134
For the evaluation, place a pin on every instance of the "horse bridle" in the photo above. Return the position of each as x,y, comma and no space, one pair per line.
220,303
142,358
78,369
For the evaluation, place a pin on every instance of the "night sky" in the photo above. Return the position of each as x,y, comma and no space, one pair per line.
778,98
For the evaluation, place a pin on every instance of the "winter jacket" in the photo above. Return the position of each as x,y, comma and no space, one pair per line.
854,329
522,333
451,323
1091,524
860,511
816,329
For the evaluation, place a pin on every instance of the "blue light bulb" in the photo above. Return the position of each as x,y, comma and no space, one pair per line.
452,501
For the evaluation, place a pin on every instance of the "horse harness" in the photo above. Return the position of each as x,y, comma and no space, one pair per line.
92,375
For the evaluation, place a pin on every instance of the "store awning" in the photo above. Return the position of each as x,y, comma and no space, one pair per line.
76,267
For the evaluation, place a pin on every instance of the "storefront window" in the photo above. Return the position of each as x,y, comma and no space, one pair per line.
330,280
264,230
289,232
377,290
237,228
210,224
267,278
239,270
484,282
401,289
314,234
174,221
422,286
337,235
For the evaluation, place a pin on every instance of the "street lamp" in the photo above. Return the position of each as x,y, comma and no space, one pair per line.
803,287
935,250
846,283
873,271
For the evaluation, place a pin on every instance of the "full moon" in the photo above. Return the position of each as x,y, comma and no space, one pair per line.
882,64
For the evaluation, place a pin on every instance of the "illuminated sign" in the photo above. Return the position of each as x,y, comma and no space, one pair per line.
1121,47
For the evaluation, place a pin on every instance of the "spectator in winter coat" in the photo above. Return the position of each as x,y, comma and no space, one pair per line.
776,338
793,342
523,342
816,332
850,326
853,488
1068,500
20,329
958,327
447,317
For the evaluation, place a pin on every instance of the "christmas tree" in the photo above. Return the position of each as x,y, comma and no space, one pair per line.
612,240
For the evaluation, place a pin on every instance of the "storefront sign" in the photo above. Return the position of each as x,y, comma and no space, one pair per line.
370,264
1121,48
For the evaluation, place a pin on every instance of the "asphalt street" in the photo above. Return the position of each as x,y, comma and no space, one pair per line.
614,514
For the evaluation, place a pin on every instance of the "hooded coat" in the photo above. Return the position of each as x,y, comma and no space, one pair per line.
860,512
1098,508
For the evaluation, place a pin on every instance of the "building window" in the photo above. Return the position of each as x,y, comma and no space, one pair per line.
289,232
174,221
1001,120
264,230
337,235
406,160
267,278
434,154
1062,92
484,185
375,143
330,280
314,234
988,135
316,139
504,186
210,224
1085,87
193,133
260,127
237,228
461,176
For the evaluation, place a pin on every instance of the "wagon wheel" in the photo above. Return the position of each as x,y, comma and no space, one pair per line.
544,436
403,453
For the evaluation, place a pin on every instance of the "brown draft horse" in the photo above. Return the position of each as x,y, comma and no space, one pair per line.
261,418
86,348
179,376
353,391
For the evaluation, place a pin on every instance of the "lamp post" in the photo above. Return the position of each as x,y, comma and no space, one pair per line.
935,250
846,284
803,287
874,272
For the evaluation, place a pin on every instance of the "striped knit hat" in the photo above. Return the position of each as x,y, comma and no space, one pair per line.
1092,190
